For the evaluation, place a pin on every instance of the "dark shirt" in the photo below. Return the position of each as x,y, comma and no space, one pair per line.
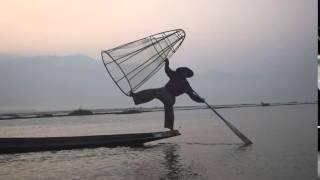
178,85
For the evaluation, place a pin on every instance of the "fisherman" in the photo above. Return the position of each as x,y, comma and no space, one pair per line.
176,86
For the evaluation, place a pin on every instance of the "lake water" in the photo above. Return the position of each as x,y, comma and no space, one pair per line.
284,137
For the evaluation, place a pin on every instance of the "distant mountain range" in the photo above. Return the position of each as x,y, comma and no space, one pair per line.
40,83
55,82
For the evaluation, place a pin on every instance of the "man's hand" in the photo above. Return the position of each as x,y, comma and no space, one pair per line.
201,99
195,96
166,61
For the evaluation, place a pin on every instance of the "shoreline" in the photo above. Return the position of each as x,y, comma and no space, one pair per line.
132,110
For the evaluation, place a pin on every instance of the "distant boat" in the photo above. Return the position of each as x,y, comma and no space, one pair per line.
31,144
129,111
80,112
265,104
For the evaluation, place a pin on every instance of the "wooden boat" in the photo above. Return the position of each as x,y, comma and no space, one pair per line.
31,144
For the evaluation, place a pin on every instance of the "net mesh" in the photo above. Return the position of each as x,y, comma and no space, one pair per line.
132,64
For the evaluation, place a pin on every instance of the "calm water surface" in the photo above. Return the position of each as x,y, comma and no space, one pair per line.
284,146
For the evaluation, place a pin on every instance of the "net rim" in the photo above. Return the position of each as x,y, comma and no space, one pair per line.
173,30
112,75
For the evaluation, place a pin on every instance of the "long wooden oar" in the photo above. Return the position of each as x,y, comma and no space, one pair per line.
232,127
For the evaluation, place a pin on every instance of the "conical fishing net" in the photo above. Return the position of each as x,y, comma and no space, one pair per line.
132,64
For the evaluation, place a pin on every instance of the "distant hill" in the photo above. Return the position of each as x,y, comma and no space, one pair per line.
39,83
55,82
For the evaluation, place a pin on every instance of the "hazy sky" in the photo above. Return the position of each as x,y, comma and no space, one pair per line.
270,41
74,26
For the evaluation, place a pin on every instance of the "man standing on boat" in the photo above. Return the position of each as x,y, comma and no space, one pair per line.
176,86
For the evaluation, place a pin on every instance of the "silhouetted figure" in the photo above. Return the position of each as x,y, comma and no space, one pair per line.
176,86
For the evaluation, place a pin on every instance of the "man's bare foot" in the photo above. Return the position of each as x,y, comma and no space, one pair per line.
131,93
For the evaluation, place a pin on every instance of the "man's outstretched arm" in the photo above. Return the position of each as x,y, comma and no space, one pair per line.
167,69
194,96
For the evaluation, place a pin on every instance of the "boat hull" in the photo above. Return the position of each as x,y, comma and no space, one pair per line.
32,144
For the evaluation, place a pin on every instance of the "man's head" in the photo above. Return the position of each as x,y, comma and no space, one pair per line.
185,72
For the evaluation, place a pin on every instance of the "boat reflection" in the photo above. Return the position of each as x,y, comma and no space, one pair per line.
173,164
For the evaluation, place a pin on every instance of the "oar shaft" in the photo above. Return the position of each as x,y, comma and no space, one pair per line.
232,127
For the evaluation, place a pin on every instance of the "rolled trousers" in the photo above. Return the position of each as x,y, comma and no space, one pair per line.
164,96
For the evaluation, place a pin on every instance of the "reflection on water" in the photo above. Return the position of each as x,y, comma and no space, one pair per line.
215,144
284,147
173,164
